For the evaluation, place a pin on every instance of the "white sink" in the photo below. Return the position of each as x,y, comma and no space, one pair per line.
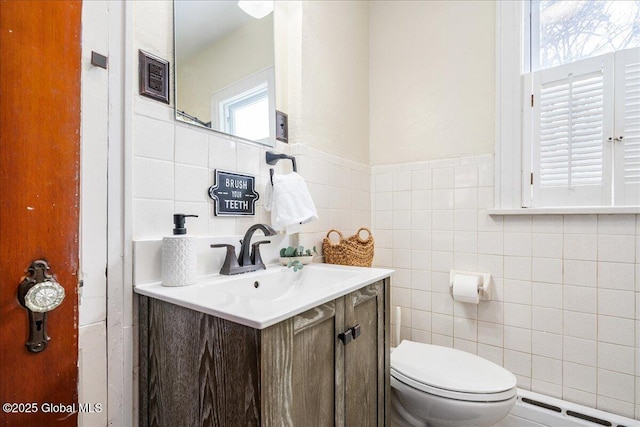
263,298
277,284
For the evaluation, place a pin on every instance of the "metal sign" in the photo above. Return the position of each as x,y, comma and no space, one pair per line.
234,194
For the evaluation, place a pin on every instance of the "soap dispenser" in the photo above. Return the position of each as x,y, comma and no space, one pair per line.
179,255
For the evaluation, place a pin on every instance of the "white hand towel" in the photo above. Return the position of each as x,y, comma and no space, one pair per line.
289,202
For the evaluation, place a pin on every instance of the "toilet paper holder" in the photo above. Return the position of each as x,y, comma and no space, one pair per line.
484,285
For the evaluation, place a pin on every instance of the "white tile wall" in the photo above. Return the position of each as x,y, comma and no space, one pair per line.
565,314
341,192
173,167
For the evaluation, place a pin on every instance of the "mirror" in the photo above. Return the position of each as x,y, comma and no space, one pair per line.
224,68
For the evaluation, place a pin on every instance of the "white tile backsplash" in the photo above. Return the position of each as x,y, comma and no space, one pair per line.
579,377
443,178
581,224
615,385
581,246
614,275
547,295
546,369
517,291
517,244
421,179
192,147
546,344
614,248
222,153
565,312
466,176
547,270
546,245
581,273
563,316
616,358
153,179
580,325
617,224
465,198
153,138
578,350
616,330
547,320
617,303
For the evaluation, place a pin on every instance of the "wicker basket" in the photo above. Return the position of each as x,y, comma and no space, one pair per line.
350,251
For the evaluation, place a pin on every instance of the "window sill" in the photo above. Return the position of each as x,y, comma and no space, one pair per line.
581,210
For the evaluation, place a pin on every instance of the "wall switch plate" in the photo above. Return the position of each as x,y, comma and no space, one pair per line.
154,76
282,126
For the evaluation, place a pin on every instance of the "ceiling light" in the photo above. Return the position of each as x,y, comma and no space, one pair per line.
256,8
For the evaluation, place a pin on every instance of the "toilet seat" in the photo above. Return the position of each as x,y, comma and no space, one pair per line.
451,373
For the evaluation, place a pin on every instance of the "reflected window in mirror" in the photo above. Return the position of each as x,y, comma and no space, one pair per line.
224,69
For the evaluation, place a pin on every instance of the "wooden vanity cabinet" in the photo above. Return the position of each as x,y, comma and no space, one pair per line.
197,369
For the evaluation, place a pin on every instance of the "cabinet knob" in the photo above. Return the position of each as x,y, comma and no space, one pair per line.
346,337
355,331
350,334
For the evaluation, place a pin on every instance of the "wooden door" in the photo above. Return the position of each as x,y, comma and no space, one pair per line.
365,357
39,198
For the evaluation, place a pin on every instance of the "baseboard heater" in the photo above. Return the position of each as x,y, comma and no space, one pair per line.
558,413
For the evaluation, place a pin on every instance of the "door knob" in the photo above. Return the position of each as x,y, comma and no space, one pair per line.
39,293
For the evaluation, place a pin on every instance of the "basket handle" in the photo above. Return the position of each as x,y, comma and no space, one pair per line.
333,230
363,229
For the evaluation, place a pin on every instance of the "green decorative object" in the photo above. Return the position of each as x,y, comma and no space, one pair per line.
296,258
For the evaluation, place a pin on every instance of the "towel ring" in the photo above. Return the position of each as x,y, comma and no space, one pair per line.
273,158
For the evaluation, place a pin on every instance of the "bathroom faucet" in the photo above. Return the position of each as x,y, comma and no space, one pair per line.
246,257
249,258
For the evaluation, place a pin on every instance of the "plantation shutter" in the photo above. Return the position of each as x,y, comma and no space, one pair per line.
627,127
572,117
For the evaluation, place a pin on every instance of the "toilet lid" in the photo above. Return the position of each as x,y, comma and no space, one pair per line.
449,369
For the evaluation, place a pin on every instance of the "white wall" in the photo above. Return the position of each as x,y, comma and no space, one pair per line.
564,315
92,342
432,80
334,78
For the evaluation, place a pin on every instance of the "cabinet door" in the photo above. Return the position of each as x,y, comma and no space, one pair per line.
366,357
316,359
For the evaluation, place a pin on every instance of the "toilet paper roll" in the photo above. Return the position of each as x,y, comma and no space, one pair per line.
465,288
178,261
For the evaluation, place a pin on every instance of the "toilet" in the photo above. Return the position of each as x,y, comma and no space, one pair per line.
435,386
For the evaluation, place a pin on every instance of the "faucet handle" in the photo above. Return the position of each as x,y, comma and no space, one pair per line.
256,258
230,260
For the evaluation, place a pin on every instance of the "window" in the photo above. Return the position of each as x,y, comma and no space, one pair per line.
564,31
245,108
247,115
579,131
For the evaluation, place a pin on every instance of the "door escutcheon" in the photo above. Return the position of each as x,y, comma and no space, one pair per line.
39,293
